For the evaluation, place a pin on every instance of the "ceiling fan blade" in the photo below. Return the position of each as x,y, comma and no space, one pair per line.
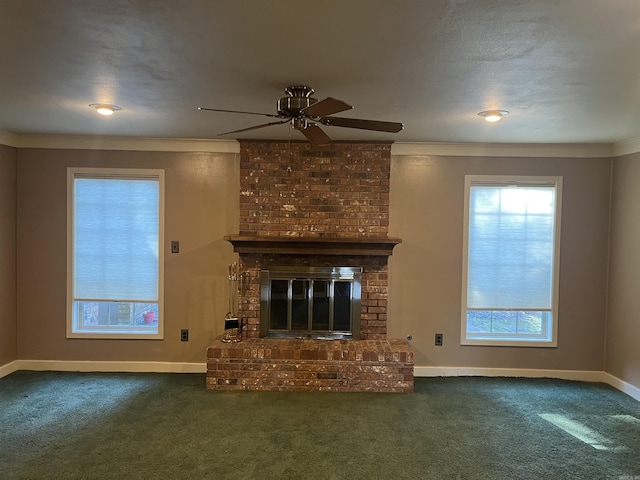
255,127
325,107
315,135
378,126
238,111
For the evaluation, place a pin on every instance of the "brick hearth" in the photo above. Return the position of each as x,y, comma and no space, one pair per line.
306,365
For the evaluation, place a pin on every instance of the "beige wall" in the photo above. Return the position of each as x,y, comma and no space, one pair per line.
425,270
201,207
7,254
623,326
427,194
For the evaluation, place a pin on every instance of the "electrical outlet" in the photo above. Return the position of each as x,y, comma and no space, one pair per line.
184,335
438,339
175,246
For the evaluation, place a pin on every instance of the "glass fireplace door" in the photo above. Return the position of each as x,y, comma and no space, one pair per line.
310,301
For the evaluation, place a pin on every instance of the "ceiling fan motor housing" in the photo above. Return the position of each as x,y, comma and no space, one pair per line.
297,98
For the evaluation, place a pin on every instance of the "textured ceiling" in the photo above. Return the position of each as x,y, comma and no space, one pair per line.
567,70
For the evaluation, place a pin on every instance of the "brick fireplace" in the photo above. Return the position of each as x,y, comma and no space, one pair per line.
316,207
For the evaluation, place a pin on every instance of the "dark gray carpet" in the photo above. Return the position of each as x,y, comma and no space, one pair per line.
167,426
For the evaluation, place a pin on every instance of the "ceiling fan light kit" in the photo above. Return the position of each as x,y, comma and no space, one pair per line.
304,112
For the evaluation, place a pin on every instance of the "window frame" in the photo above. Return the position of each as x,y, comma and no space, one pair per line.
122,173
511,340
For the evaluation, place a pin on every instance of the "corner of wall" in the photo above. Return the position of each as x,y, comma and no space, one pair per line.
8,251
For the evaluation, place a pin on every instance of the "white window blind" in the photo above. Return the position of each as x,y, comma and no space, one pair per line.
116,228
511,247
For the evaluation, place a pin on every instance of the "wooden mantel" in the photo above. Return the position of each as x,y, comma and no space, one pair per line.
312,246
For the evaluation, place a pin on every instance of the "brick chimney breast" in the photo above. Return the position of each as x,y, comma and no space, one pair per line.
295,191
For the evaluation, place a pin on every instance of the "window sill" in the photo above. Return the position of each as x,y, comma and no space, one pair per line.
116,335
508,342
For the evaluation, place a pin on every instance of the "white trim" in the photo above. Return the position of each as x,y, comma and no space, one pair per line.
621,385
105,366
536,150
9,368
9,139
125,173
418,371
85,142
577,375
626,147
500,181
581,375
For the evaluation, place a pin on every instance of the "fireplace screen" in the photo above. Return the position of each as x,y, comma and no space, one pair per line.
310,302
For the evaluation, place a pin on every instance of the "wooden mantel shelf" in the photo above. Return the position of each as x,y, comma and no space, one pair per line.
313,246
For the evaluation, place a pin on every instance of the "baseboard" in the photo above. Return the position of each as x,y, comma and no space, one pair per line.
183,367
622,385
92,366
8,368
581,375
578,375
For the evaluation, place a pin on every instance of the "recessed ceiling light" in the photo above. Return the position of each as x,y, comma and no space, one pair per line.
493,115
105,109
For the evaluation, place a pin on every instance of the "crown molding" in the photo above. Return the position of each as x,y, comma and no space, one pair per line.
98,142
626,147
9,139
538,150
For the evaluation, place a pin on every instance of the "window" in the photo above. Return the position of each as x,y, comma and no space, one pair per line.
115,253
511,247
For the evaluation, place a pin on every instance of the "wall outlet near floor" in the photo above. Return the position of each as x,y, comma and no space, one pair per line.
184,335
175,246
438,339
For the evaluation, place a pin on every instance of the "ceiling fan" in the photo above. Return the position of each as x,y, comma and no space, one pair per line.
304,113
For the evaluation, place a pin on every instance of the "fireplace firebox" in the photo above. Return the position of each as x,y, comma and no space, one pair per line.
310,302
